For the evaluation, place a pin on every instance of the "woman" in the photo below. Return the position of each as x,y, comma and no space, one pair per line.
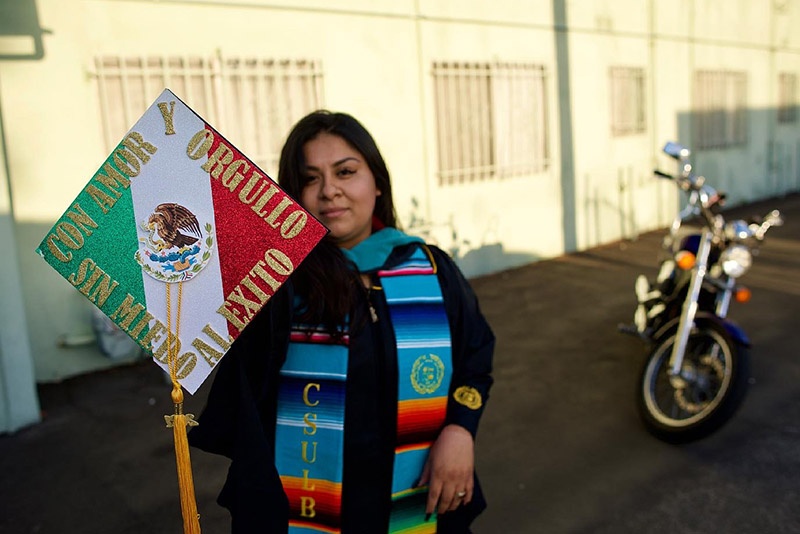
351,402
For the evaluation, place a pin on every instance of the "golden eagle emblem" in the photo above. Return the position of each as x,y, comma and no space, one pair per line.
172,245
168,220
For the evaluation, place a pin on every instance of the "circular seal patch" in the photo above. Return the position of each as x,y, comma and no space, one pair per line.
469,397
427,374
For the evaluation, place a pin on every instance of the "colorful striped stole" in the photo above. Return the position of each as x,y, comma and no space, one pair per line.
309,437
424,364
309,433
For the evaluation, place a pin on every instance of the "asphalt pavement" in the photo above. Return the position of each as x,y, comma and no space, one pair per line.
560,449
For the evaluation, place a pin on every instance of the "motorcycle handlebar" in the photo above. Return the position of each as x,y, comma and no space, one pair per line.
687,183
762,224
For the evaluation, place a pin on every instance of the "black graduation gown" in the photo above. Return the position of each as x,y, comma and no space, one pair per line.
239,418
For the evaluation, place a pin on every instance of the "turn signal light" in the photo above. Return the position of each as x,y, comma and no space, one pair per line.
685,260
743,294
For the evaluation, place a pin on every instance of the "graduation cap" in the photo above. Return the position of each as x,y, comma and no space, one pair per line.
180,240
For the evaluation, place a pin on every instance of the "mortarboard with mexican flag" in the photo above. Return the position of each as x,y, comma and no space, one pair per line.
180,239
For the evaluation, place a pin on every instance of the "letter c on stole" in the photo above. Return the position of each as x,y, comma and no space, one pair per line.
305,394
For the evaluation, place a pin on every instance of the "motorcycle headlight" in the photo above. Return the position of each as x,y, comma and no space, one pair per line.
736,260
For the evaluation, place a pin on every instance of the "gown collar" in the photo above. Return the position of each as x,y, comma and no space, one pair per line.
373,252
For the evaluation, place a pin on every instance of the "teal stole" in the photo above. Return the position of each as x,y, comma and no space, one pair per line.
309,435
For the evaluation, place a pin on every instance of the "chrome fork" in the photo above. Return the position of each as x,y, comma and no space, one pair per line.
689,309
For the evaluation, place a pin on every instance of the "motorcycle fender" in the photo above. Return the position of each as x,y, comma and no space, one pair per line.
735,331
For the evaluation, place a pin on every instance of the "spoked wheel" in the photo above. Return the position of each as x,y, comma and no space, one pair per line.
710,387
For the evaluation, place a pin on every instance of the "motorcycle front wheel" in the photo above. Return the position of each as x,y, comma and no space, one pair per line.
712,384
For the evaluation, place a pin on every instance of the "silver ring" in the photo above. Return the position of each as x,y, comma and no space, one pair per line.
461,494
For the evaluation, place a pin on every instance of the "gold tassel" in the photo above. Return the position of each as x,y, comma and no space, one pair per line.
179,421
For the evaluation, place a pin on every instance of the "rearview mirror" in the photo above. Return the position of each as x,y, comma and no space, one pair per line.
676,151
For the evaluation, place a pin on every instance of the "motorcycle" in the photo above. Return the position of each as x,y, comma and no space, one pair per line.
696,373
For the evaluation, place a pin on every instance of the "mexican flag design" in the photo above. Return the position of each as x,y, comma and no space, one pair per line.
179,232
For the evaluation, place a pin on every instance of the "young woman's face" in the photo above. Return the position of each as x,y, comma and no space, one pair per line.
340,189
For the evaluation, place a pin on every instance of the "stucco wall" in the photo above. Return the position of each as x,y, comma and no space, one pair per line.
377,58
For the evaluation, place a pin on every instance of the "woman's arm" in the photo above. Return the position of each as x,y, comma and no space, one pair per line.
449,471
472,346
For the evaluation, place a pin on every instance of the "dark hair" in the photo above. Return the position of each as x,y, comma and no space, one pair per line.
325,279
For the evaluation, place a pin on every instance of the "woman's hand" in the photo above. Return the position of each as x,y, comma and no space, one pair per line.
448,471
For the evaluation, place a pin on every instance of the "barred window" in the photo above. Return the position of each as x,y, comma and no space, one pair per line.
720,109
787,97
491,120
252,102
627,101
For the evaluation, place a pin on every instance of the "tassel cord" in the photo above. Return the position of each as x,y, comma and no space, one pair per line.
179,421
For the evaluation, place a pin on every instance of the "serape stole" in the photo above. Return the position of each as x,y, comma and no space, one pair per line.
309,437
424,363
309,434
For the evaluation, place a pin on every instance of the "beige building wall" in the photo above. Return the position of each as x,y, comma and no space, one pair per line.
376,58
19,404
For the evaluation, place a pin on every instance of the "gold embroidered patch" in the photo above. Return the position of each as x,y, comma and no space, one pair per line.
468,397
427,374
